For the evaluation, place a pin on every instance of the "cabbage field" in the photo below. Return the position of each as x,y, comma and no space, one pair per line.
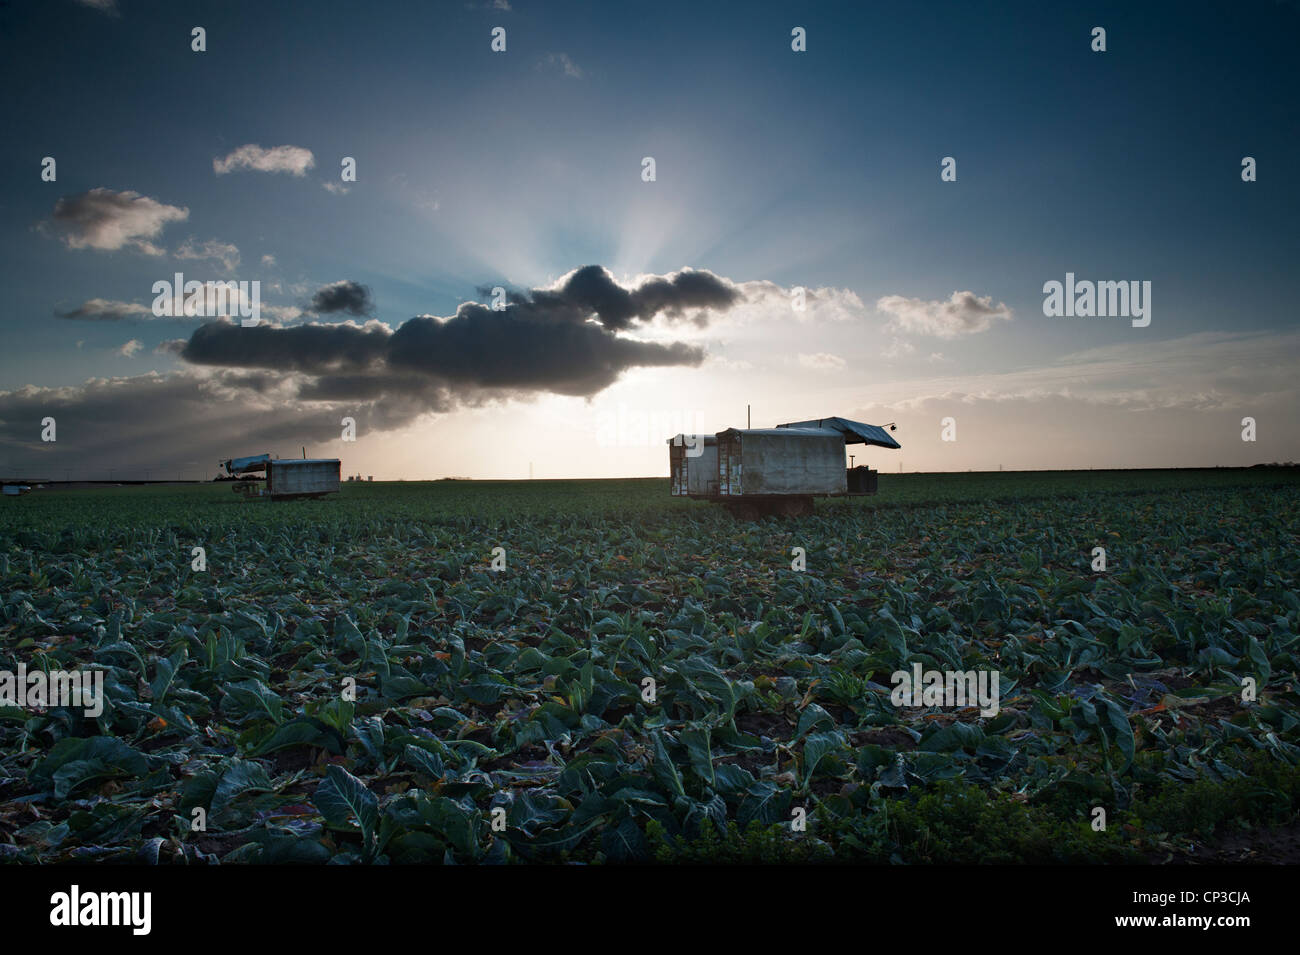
592,671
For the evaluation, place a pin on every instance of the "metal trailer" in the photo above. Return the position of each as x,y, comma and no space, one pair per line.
693,465
754,471
285,478
302,477
779,470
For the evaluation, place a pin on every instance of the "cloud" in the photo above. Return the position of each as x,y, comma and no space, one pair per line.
103,6
261,387
268,261
213,299
767,301
1208,371
312,348
964,313
474,351
482,348
130,348
106,310
565,63
337,188
108,220
294,160
822,361
342,296
223,252
564,339
173,420
723,363
591,291
282,313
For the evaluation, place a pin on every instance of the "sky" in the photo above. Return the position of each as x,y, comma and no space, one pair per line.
864,227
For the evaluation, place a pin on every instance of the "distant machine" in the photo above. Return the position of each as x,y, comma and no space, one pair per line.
261,476
757,471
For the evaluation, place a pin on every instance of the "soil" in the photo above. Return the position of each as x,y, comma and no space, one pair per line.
1276,846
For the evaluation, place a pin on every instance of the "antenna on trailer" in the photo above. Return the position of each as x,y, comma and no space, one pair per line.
304,452
749,421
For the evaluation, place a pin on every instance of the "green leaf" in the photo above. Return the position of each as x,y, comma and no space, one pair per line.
73,762
764,802
423,761
237,777
816,748
664,769
343,799
812,716
1123,733
699,749
255,697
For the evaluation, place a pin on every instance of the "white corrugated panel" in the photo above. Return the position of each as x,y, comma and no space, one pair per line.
292,476
774,461
793,464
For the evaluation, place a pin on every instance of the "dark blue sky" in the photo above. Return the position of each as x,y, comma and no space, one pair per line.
817,169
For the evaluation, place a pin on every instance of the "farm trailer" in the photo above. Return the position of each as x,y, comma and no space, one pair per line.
756,471
285,478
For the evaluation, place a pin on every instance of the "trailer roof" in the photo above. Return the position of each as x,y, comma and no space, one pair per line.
250,463
306,461
680,439
855,432
784,432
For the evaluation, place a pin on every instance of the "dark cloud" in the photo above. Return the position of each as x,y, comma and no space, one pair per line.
275,387
346,297
475,350
563,340
506,349
313,348
182,420
591,291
